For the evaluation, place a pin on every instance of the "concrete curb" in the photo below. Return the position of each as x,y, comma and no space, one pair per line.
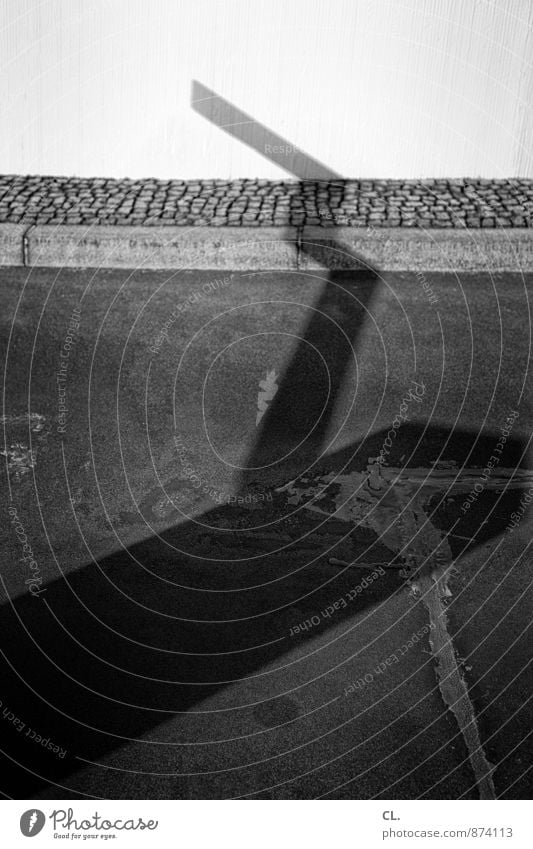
12,244
224,248
267,248
399,249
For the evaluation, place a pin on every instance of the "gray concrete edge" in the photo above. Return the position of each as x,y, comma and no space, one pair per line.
267,248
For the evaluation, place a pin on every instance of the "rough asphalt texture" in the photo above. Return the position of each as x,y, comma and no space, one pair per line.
358,203
161,655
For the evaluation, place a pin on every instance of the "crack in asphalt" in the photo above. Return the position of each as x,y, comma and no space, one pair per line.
452,685
392,503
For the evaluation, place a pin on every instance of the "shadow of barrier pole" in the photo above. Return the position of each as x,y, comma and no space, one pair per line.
285,421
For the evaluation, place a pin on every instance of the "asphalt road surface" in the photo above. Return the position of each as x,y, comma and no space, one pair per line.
266,535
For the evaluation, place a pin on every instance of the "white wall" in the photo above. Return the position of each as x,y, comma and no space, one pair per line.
372,88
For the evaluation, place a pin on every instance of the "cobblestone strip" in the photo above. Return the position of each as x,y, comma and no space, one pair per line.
470,203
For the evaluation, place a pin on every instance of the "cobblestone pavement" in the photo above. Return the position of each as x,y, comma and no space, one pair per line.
357,203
